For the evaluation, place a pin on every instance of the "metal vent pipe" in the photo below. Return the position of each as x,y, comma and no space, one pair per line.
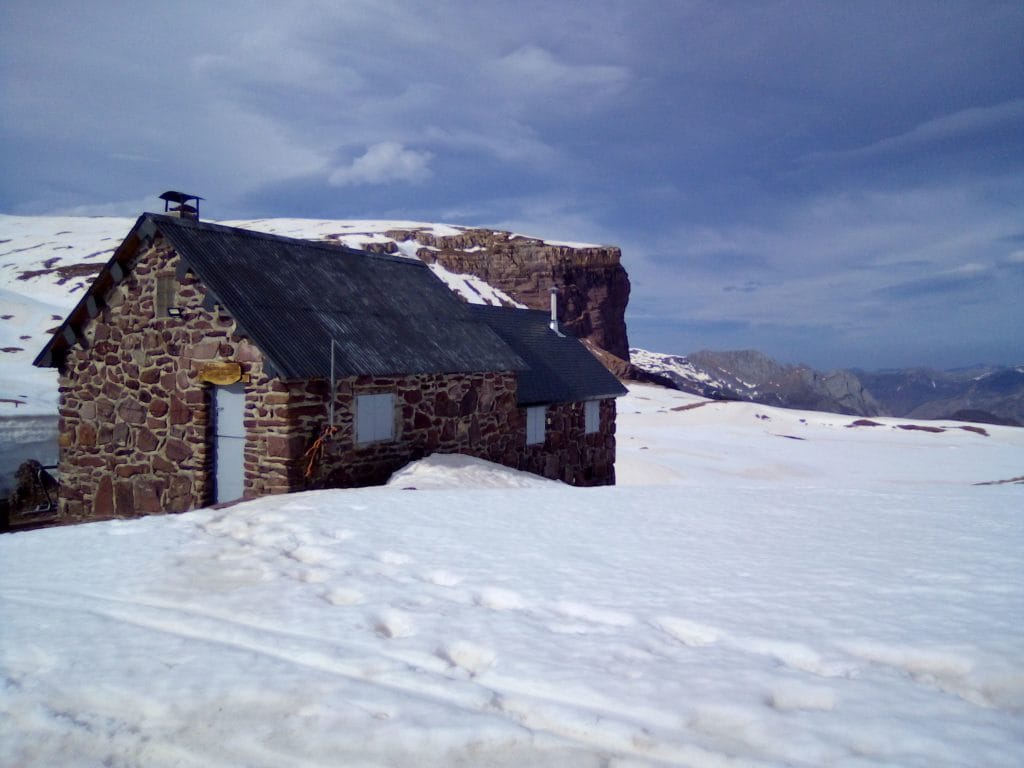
553,325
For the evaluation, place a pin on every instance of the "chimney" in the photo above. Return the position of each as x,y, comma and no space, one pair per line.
182,208
553,325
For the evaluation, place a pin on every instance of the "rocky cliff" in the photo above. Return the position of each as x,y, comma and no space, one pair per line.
593,286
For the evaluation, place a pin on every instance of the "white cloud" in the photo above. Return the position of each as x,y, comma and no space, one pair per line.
963,125
534,71
544,69
506,140
970,268
835,260
384,162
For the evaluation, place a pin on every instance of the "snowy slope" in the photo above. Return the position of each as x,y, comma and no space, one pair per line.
742,599
46,263
679,369
668,437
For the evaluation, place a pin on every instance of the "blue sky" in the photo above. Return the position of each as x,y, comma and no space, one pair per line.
840,184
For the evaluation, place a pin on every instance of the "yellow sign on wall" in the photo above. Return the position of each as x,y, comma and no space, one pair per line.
220,373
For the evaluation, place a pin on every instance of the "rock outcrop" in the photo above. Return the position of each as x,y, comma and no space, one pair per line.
593,286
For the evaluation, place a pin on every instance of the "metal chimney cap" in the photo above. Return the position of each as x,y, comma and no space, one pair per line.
172,196
182,209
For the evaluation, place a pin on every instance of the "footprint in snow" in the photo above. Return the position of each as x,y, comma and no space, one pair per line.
498,599
687,632
468,656
591,613
795,656
392,624
442,578
791,695
309,555
393,558
342,596
313,576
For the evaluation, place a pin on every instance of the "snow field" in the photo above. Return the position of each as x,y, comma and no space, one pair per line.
671,437
723,625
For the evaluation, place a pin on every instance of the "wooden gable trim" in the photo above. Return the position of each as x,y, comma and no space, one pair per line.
70,331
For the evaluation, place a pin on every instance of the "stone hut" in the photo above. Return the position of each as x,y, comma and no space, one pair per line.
199,368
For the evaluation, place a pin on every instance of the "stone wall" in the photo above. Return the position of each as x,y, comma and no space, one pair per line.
135,432
473,414
568,453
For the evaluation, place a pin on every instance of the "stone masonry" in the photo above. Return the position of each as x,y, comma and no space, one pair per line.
135,432
568,453
473,414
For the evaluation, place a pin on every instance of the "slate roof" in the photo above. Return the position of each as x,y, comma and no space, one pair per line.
559,368
387,314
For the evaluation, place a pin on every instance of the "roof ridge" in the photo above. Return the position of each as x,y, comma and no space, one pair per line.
492,308
163,219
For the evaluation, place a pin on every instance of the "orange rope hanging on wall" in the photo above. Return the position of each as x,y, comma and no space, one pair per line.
316,450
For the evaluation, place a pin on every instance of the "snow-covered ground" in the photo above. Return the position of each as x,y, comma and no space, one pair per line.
743,598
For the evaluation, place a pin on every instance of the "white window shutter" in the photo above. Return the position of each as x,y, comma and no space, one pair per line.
535,418
375,418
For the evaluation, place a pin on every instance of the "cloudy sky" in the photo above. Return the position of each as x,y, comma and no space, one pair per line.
831,183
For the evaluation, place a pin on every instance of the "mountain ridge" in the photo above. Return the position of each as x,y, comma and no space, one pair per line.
987,394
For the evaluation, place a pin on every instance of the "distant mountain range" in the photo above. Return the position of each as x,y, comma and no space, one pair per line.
987,394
